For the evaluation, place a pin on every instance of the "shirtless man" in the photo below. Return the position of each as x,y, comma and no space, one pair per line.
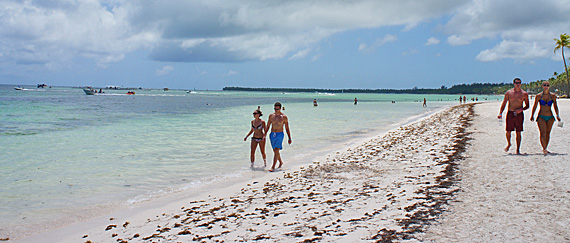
515,116
276,121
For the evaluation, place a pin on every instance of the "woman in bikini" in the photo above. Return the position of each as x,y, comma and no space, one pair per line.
545,118
257,128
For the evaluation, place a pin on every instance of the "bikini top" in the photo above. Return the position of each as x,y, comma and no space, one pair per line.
542,102
260,126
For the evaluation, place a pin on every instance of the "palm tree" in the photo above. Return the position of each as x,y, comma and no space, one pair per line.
564,41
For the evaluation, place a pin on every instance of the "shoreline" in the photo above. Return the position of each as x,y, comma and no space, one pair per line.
294,160
313,196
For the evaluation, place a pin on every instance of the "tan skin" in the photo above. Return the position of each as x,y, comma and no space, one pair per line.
257,133
277,121
545,126
515,98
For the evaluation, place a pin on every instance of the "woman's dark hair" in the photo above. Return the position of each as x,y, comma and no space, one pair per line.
259,111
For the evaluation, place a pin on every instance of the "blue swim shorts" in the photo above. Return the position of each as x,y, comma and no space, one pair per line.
276,139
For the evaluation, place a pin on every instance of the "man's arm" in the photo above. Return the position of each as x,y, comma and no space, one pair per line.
503,105
526,101
287,130
269,121
534,108
555,104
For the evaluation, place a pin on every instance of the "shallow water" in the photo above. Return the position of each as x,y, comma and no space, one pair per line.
65,152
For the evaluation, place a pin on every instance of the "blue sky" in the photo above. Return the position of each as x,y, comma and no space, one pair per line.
210,44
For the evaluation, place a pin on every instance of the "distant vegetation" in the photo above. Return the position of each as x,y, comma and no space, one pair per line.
557,82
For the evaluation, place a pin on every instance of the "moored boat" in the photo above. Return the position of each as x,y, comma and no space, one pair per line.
89,91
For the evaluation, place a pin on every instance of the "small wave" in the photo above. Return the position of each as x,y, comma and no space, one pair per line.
192,185
329,94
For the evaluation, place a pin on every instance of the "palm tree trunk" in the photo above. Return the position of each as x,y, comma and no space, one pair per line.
567,80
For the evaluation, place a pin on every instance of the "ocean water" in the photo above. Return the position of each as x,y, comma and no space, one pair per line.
65,153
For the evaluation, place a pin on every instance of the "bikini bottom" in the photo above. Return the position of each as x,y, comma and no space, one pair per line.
545,118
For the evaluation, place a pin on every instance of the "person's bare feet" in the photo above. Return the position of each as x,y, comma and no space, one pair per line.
545,152
508,147
280,164
272,170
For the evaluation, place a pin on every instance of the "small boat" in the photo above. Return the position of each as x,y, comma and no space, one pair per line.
18,88
89,91
131,92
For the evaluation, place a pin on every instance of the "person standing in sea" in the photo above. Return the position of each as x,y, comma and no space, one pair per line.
545,118
277,121
515,98
258,138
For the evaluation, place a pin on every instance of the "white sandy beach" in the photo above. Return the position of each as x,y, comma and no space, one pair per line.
506,197
415,183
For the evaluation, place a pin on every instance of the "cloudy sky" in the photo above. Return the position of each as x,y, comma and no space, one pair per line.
210,44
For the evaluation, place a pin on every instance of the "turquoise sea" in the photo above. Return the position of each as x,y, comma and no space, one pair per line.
66,154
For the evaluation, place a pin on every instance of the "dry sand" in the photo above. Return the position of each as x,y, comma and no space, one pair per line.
415,183
506,197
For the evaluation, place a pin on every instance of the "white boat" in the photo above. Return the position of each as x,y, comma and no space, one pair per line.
89,91
18,88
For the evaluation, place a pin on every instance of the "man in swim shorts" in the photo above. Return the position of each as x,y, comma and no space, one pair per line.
515,97
277,121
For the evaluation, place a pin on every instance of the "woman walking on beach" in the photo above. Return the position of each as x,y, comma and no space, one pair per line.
257,128
545,118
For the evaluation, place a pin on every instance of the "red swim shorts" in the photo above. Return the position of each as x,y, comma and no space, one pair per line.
515,121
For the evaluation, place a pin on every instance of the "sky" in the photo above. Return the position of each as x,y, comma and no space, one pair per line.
336,44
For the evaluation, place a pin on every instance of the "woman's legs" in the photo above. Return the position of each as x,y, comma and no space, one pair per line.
262,149
545,127
549,125
253,147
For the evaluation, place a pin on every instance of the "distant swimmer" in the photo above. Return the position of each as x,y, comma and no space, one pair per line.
277,121
258,138
515,98
315,102
355,101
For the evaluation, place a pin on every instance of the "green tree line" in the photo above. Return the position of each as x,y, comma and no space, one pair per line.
557,82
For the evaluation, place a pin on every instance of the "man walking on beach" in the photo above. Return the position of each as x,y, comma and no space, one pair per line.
277,121
515,116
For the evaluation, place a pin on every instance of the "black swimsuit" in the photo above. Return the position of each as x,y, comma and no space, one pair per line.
260,126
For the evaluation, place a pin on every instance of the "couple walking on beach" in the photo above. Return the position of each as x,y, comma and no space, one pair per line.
277,122
515,98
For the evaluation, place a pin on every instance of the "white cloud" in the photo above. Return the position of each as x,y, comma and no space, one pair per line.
191,31
300,54
432,41
231,73
165,70
378,43
520,51
525,28
455,40
53,33
57,32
